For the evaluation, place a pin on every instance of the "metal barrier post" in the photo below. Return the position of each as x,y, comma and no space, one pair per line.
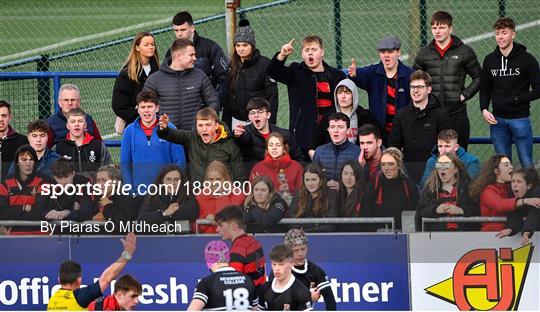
43,88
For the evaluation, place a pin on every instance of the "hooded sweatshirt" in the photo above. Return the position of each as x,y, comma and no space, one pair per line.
506,82
359,116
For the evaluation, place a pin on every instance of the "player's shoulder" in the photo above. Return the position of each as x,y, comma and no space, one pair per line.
299,287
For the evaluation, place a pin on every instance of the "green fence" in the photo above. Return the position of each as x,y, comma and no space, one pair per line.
350,28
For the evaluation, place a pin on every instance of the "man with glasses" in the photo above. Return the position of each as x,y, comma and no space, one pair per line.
416,127
387,83
251,138
69,98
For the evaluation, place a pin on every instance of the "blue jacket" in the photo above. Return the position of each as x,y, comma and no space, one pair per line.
58,130
142,159
372,78
331,157
44,163
472,164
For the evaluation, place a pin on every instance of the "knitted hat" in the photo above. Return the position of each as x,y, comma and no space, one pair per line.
244,33
295,237
216,251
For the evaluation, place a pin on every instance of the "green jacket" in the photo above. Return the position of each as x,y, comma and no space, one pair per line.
201,154
449,72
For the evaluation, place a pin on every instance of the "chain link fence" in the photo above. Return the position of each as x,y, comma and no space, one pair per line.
96,36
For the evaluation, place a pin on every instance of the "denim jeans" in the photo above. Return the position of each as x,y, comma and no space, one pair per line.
517,131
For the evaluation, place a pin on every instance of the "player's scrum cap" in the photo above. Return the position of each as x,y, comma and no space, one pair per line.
295,237
216,251
389,43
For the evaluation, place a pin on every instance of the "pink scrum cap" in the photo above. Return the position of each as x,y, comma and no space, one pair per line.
216,251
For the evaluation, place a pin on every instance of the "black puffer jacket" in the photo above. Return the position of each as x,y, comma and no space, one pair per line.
251,81
265,220
125,92
428,203
449,73
182,94
302,89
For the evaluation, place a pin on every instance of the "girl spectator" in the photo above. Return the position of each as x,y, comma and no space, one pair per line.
247,78
173,202
314,199
141,62
352,188
285,173
216,193
446,195
392,191
115,207
19,191
491,189
525,186
263,208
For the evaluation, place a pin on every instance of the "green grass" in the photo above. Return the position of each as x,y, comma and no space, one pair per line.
27,25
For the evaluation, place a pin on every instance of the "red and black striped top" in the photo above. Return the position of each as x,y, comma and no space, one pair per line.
15,195
391,108
247,256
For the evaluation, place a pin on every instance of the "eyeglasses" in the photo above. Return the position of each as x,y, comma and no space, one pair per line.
444,165
419,87
254,112
171,180
388,164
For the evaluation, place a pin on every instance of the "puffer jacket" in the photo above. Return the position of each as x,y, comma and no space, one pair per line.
251,81
449,72
182,94
201,154
331,157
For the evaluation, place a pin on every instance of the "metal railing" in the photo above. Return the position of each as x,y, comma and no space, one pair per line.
462,220
314,221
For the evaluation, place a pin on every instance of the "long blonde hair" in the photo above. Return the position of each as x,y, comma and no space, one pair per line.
434,183
134,61
220,168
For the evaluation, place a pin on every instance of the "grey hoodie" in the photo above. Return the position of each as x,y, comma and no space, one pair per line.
352,135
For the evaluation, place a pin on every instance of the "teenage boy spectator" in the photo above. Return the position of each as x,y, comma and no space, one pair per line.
71,297
142,153
210,57
18,192
210,140
182,90
38,132
310,86
332,156
346,98
386,83
10,140
448,60
247,255
85,151
369,137
126,294
284,292
447,142
508,74
252,138
416,127
69,97
224,289
78,207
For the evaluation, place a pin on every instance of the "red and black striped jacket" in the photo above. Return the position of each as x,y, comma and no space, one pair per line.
247,257
14,195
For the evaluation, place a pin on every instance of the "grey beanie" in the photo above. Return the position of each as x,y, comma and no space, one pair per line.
244,33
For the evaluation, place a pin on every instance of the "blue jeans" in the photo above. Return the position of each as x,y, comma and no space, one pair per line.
517,131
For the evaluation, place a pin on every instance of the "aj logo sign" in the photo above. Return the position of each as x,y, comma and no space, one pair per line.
483,281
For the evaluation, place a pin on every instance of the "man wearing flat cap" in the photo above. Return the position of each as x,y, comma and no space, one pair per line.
387,83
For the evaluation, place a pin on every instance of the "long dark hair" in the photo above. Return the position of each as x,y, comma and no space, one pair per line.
486,176
154,200
235,66
348,202
320,204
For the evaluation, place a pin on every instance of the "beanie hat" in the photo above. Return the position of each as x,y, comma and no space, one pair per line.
216,251
295,237
244,33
